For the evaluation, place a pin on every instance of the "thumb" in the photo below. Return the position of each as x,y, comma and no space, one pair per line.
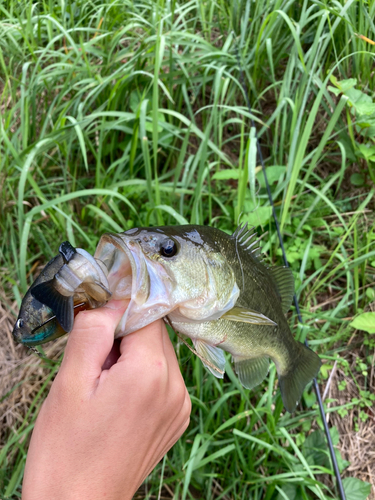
90,342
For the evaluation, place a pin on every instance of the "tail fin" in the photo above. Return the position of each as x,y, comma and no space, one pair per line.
305,368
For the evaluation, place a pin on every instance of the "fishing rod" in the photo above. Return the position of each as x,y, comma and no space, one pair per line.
340,486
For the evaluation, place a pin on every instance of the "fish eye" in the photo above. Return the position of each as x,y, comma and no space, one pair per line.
19,323
168,248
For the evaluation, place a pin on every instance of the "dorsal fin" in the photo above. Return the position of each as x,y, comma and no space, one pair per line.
284,280
248,239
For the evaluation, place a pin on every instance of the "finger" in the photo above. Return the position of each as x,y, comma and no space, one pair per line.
91,341
147,343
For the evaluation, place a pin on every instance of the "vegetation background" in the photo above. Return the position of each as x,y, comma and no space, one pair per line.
122,113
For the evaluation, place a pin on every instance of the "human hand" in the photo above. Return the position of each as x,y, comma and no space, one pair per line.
105,424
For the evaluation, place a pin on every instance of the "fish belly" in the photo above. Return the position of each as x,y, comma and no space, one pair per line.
239,339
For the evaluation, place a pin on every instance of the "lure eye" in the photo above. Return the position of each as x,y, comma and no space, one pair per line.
19,323
168,248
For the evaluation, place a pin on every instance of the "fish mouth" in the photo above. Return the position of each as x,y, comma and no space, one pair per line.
132,275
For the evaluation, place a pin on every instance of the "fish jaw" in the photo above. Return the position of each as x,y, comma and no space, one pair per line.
196,286
131,275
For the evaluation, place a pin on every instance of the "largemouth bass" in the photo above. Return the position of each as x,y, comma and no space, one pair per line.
208,285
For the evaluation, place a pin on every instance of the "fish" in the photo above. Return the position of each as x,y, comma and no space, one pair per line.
211,287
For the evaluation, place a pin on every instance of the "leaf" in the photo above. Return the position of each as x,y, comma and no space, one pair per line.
274,174
334,435
81,139
179,218
355,489
214,456
333,90
134,101
309,397
315,448
341,462
363,99
149,125
227,174
325,369
289,491
365,108
357,179
366,128
365,322
365,122
348,147
344,85
259,217
366,152
136,98
354,96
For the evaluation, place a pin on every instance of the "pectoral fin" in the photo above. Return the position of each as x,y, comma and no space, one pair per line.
251,371
214,356
61,305
247,316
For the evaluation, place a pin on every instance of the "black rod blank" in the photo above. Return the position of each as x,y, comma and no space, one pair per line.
340,486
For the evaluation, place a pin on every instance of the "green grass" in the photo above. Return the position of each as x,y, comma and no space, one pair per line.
125,113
